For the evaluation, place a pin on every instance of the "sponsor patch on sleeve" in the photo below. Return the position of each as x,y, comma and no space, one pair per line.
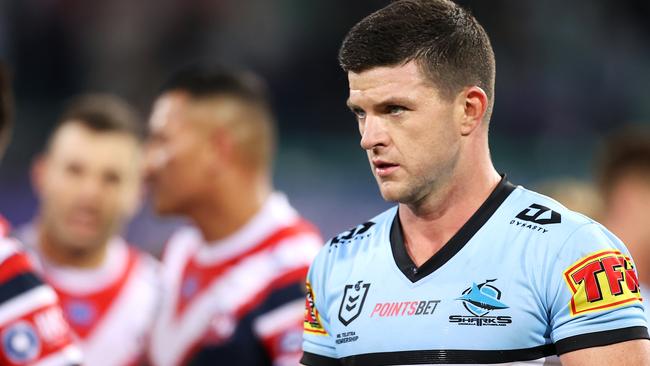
602,280
312,323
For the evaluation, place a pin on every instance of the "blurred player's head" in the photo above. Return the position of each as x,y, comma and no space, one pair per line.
211,133
576,195
88,178
429,62
624,178
6,112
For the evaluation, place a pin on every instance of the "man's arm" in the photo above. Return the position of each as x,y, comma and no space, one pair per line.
32,326
632,353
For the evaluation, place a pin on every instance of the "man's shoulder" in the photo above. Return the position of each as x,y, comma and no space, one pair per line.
366,231
8,248
349,244
535,211
182,241
147,269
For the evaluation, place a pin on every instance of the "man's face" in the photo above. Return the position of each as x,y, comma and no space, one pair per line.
88,183
178,152
407,129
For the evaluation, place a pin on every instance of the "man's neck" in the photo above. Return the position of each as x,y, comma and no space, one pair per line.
430,224
221,215
62,255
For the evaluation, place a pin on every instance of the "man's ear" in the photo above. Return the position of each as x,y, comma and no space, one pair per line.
222,146
136,196
37,173
475,104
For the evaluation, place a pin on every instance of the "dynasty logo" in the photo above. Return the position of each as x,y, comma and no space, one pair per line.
479,300
535,217
602,280
356,233
354,296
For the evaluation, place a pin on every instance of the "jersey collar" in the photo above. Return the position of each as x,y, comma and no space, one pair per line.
455,244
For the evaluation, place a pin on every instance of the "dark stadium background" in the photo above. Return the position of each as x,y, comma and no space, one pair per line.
568,72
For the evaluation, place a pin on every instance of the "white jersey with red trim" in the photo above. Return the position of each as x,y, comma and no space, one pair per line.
237,301
32,328
110,308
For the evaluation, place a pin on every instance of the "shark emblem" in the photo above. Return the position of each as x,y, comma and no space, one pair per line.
482,298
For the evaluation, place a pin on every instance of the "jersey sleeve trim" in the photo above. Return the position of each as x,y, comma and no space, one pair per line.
312,359
18,285
598,339
434,357
69,356
28,302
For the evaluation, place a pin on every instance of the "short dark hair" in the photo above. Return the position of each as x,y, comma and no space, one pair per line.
201,83
625,152
209,81
6,108
102,113
447,42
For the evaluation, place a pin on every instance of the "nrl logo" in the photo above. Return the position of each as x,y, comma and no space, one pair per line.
354,297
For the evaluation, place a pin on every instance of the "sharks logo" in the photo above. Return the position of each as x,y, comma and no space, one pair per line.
479,300
354,296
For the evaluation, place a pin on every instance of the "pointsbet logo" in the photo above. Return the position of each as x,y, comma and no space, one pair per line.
602,280
404,308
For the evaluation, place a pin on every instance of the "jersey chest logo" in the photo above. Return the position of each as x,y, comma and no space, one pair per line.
20,343
480,300
602,280
354,296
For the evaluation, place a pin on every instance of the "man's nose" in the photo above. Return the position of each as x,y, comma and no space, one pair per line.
373,133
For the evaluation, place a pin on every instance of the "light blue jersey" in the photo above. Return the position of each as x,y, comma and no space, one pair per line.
523,280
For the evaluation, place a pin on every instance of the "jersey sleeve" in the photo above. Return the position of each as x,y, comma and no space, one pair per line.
278,326
593,292
318,344
32,328
279,331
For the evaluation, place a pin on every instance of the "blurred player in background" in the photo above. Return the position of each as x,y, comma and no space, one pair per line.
624,176
577,195
88,182
32,328
234,283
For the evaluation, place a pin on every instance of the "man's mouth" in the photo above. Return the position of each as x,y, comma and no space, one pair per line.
384,168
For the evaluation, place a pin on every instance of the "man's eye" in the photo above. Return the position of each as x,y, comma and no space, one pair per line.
112,178
395,109
74,169
359,113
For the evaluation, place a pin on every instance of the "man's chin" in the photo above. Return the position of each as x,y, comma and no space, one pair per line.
80,245
389,192
164,208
